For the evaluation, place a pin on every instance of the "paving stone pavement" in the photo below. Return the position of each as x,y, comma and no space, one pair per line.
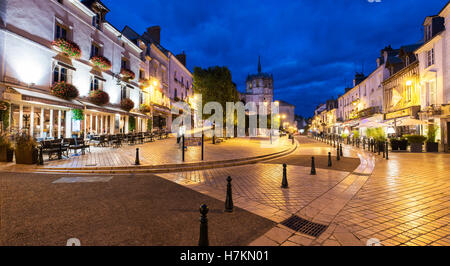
160,152
403,201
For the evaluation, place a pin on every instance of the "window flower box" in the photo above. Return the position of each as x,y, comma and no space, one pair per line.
127,74
101,62
127,104
64,90
99,97
144,108
67,47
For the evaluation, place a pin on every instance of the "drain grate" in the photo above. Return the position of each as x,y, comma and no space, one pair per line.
304,226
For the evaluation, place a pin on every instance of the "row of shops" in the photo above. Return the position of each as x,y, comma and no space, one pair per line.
408,121
45,116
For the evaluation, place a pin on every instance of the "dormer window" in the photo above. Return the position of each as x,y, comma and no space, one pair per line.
428,32
96,20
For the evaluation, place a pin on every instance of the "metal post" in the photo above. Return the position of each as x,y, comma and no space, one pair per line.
136,162
203,145
337,154
329,159
379,147
182,147
229,198
340,151
313,166
384,148
203,240
387,150
41,156
284,182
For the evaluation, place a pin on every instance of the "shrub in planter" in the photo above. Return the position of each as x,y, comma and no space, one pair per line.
416,142
68,48
432,145
126,104
64,90
395,143
128,74
144,108
6,149
25,149
403,144
101,62
99,97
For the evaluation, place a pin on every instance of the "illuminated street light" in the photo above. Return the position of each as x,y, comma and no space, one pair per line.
408,83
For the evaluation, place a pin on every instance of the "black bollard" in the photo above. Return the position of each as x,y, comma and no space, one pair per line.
293,141
313,166
379,147
387,150
337,154
384,149
41,156
203,146
203,240
329,159
229,198
136,162
284,182
364,144
182,148
340,151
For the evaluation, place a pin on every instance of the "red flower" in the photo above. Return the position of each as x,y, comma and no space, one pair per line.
126,104
68,48
101,62
64,90
99,97
126,73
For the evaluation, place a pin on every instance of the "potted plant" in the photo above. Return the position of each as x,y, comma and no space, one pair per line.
67,47
431,144
101,62
64,90
6,148
416,142
99,97
144,108
25,149
126,104
127,74
395,144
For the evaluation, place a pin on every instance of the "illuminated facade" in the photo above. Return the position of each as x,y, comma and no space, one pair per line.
32,64
434,68
259,88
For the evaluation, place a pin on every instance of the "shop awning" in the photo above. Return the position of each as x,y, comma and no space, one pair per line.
106,109
46,98
408,121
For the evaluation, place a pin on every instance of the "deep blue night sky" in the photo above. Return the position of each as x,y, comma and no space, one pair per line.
312,47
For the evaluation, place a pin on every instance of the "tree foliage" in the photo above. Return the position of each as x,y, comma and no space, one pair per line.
215,85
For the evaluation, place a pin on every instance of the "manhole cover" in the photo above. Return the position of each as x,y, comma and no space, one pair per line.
304,226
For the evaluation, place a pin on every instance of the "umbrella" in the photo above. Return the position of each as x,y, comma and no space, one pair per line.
373,124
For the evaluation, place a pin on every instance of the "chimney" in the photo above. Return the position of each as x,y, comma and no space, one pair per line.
155,33
182,58
359,77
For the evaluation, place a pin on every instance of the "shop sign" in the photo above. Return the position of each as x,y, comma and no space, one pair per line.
193,141
446,110
399,113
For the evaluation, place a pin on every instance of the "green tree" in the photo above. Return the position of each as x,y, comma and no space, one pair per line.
215,85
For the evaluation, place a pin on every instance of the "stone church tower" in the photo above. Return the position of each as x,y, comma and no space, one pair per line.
259,87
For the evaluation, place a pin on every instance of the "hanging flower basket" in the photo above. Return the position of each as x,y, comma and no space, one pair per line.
68,48
99,97
144,108
126,104
101,62
126,73
64,90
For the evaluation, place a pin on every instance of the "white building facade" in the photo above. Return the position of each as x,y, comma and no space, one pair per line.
31,65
